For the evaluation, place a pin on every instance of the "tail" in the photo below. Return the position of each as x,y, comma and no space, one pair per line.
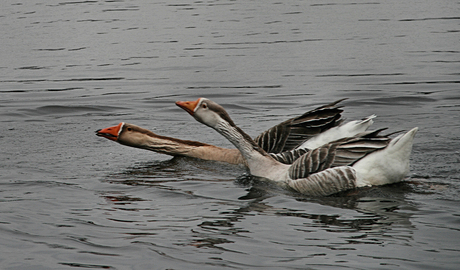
403,141
389,165
352,128
349,129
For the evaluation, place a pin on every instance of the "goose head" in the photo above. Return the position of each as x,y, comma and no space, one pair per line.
206,111
125,133
111,133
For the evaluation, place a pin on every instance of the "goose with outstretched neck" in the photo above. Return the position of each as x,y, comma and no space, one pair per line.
366,159
315,127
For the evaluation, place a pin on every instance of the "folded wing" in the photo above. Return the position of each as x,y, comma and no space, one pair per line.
343,152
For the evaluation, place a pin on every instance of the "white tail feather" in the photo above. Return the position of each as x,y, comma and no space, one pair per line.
389,165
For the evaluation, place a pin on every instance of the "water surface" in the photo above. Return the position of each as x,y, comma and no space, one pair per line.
72,200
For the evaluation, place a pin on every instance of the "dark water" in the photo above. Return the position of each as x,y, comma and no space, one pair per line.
71,200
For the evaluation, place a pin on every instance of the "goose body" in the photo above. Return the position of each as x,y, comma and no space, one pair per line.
281,141
361,160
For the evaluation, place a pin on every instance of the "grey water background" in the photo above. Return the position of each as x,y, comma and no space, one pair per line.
71,200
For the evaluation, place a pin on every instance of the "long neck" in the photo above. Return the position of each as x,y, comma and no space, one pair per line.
177,147
243,142
259,162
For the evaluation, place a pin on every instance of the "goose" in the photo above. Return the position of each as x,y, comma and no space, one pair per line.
366,159
281,141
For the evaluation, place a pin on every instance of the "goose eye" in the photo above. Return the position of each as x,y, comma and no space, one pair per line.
204,106
129,129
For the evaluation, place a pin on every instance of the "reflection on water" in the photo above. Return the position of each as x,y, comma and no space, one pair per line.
375,211
72,200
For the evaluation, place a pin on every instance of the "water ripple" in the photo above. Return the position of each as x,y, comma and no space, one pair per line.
57,109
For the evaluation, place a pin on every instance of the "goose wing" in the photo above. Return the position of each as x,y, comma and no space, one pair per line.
327,182
343,152
293,132
340,176
288,157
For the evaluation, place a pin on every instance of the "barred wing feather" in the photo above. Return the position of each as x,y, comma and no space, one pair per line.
327,182
288,157
293,132
343,152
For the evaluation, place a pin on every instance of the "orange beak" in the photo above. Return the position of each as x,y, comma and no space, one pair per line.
188,106
110,133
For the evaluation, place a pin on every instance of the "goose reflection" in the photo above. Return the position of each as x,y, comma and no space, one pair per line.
379,215
375,211
154,173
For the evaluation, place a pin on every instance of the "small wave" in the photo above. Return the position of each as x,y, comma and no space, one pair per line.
77,2
344,4
59,109
41,90
83,265
272,42
414,82
429,19
77,49
236,87
361,75
32,67
65,80
120,9
50,49
394,100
